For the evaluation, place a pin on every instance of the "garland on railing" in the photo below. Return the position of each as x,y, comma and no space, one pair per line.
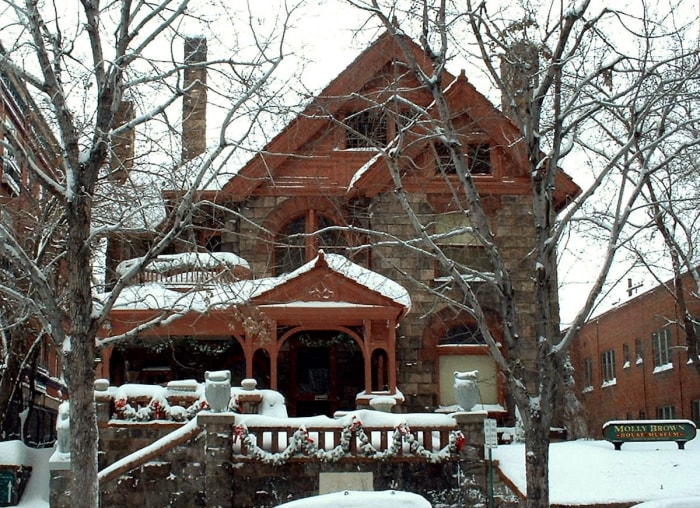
301,444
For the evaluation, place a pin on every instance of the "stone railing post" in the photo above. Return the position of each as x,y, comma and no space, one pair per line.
471,423
218,456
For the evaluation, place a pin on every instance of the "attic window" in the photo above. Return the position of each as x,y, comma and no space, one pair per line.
365,129
477,158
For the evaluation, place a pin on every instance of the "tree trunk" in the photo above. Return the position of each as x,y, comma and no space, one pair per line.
80,357
537,461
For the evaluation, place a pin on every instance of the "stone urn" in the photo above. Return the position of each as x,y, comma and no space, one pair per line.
217,390
466,389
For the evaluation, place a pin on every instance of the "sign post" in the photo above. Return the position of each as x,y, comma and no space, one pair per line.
490,442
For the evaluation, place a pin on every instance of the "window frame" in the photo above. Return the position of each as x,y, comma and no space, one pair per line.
662,353
366,128
587,373
311,241
667,412
607,367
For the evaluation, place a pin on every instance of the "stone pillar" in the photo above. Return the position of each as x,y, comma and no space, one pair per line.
471,423
218,456
59,485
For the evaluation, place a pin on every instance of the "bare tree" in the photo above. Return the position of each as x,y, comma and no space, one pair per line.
672,193
83,66
582,86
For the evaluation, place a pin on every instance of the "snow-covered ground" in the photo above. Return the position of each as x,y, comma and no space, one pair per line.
581,472
589,472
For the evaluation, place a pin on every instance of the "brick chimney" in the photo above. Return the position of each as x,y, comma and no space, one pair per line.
519,69
122,157
194,104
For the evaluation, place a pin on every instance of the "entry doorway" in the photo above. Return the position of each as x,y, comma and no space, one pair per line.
321,372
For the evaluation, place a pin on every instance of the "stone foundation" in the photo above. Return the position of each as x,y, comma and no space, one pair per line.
204,472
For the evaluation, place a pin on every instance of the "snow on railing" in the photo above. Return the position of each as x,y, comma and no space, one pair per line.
280,443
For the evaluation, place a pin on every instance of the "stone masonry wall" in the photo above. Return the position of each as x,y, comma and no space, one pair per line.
204,472
512,224
418,371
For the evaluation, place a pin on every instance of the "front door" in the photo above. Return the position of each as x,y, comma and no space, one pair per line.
322,373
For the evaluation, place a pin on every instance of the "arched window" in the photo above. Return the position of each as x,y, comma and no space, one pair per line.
300,239
462,335
460,346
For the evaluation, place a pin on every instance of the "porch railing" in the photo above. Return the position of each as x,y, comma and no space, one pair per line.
281,443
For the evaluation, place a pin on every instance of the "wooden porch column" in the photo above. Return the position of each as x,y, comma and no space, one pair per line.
391,352
367,354
106,355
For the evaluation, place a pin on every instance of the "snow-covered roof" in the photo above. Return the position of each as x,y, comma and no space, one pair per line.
367,278
186,261
157,296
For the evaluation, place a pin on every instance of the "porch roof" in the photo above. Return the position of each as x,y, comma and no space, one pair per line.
328,283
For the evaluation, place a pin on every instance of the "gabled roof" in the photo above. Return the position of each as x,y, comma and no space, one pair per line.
303,284
282,160
331,278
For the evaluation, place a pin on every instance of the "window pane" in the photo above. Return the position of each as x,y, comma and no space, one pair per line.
290,247
366,129
479,159
466,334
332,241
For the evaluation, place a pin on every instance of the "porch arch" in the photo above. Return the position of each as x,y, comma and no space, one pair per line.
320,369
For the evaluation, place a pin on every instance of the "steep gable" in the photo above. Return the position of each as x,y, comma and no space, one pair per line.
333,279
312,130
314,154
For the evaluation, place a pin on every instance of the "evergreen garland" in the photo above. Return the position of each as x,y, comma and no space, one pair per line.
301,444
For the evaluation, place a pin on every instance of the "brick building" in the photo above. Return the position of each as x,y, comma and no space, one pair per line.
25,138
319,302
631,362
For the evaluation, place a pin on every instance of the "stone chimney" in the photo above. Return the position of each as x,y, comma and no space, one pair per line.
122,157
194,104
519,70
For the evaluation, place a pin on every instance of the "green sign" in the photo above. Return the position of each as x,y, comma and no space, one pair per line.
7,488
619,432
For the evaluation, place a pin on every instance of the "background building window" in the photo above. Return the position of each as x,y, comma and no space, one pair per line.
588,373
695,411
639,353
666,412
625,356
607,362
661,343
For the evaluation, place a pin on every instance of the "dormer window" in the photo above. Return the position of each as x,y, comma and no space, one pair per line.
366,129
477,158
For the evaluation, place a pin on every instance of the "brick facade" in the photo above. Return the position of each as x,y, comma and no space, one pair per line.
646,383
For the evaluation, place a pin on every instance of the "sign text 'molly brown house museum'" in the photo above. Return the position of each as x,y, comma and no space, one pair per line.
623,431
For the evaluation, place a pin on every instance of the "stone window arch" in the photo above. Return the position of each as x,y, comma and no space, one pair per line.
458,345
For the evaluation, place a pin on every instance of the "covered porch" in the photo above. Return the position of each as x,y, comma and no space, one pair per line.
323,335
